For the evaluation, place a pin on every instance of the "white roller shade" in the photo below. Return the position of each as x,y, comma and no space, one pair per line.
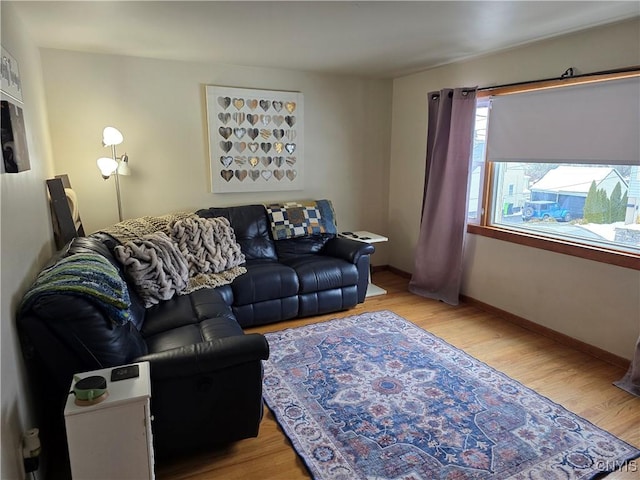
589,123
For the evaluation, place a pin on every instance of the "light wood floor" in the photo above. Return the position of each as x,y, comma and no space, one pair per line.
577,381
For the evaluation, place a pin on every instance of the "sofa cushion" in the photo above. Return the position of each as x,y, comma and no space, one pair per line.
264,280
269,311
186,310
318,303
186,320
251,228
294,247
226,292
193,333
318,272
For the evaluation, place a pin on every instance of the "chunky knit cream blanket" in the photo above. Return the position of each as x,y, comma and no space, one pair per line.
136,228
177,254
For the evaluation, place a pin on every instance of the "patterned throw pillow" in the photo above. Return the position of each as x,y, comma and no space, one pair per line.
302,218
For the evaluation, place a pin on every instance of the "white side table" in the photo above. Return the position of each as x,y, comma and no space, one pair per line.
367,237
112,439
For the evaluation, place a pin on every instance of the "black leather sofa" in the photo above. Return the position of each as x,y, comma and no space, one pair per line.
206,373
298,277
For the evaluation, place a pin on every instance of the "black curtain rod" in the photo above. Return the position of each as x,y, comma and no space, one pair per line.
568,73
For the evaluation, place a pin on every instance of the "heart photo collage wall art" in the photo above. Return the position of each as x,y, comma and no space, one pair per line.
255,139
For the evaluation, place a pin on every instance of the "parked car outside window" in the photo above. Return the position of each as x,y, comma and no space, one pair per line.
544,210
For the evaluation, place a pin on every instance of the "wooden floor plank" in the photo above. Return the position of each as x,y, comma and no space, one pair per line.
571,378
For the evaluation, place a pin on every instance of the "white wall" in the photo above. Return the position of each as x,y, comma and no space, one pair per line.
160,108
26,238
596,303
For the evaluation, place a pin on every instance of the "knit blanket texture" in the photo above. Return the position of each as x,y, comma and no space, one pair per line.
210,248
189,253
87,275
136,228
155,266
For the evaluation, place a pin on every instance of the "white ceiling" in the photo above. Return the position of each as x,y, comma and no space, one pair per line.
371,38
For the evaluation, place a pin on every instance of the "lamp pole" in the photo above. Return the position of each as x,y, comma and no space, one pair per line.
113,153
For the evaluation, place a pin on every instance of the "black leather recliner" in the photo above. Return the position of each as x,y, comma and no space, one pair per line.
206,373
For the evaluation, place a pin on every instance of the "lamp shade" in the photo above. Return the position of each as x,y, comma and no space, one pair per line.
107,166
111,136
123,165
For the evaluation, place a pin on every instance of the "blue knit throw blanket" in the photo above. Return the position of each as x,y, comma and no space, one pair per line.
87,275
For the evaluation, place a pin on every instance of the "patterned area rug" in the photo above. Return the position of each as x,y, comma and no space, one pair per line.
373,396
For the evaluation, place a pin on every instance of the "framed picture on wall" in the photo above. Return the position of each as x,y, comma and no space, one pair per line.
11,83
15,155
256,139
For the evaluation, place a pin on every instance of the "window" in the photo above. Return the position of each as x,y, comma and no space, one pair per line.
559,169
477,170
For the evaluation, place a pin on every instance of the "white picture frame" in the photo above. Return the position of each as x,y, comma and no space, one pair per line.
256,139
10,83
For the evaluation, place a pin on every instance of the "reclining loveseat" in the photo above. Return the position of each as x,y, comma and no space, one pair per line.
206,373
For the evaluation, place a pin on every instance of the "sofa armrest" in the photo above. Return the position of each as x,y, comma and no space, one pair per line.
205,357
347,249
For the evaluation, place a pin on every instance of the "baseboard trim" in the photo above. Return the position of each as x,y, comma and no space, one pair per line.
549,333
379,268
554,335
389,268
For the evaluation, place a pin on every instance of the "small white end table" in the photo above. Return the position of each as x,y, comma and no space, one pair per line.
367,237
112,439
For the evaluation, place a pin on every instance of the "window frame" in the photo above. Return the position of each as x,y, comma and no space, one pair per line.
484,227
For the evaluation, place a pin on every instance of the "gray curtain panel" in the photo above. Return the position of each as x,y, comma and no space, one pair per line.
438,258
631,381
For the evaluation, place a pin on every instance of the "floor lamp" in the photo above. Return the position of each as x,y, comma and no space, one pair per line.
114,165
